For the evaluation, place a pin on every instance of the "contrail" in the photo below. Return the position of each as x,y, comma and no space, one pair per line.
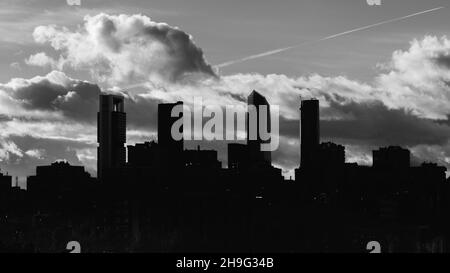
271,52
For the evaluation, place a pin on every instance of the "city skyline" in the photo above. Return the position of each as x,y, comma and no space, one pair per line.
164,189
53,116
114,155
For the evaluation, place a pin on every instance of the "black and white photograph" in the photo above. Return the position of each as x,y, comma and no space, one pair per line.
222,133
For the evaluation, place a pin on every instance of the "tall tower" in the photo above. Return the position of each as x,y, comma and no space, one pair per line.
111,133
165,122
171,150
310,132
254,146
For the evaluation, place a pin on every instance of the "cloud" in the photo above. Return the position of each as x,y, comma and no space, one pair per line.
43,60
53,96
419,78
8,148
59,98
432,153
375,124
124,49
287,156
35,153
44,151
416,79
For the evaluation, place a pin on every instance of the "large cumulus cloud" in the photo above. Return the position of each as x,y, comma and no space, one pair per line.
123,49
418,78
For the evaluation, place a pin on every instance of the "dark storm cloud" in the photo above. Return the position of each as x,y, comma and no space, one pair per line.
443,59
77,100
373,123
237,97
189,57
39,95
80,103
142,113
4,118
287,155
289,127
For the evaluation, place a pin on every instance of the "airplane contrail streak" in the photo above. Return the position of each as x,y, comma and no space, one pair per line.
275,51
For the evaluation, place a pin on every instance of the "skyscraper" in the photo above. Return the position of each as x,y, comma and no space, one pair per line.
111,133
165,122
254,145
170,150
310,132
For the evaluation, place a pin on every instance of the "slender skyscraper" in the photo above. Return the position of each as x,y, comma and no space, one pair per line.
254,145
111,133
165,122
171,150
310,132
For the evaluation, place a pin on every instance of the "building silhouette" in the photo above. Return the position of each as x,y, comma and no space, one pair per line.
170,149
392,157
165,122
5,182
111,120
310,132
261,111
202,159
143,154
238,156
5,191
59,176
330,155
59,186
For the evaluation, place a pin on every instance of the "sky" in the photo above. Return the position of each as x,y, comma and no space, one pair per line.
387,85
